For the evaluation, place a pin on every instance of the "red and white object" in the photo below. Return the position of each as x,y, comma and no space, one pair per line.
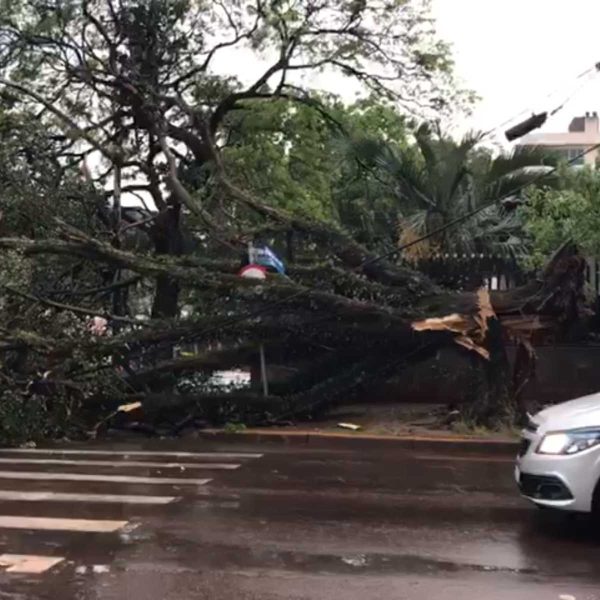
253,272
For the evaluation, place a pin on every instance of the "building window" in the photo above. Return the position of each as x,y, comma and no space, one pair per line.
572,153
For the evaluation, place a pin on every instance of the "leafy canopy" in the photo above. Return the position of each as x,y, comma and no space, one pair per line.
568,212
438,179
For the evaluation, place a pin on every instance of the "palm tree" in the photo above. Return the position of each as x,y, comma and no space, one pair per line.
437,180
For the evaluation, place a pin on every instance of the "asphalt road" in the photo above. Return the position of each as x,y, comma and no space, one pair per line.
294,523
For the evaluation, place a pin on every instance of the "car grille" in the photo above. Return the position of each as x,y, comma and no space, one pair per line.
524,446
544,487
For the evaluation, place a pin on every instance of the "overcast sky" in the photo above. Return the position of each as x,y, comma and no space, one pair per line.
513,53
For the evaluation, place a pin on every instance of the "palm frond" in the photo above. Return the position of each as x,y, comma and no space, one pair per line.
449,167
408,176
520,158
439,179
410,230
513,183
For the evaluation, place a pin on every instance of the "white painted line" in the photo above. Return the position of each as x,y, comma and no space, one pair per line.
118,463
450,458
103,478
52,524
226,455
9,495
28,563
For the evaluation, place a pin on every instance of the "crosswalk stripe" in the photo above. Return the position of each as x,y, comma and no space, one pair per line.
54,524
87,459
28,563
113,463
15,496
103,478
227,455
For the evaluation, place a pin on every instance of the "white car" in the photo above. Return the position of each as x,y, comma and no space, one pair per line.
559,457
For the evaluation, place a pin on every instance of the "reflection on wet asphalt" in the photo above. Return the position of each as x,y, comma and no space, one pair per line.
296,523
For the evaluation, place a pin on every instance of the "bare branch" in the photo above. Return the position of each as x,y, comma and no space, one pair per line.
63,117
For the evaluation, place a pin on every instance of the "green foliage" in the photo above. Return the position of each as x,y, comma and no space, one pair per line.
279,151
234,427
294,156
439,180
36,188
21,419
568,212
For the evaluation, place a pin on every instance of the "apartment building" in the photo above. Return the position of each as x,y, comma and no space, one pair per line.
583,133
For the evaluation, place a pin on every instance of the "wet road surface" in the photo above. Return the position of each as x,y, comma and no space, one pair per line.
198,521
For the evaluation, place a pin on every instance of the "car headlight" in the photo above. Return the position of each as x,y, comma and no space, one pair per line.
569,442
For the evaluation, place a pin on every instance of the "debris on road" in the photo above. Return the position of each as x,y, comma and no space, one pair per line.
100,569
350,426
129,407
359,560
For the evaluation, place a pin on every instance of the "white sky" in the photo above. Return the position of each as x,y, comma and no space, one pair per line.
514,53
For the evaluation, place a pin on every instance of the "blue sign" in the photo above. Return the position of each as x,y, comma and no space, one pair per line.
267,258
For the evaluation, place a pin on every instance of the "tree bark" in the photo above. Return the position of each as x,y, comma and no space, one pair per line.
168,241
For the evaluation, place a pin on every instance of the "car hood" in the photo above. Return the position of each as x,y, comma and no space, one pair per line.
582,412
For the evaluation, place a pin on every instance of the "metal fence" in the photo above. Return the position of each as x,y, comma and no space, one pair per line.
472,271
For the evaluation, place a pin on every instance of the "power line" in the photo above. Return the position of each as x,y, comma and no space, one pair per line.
481,208
252,314
370,261
395,251
595,69
457,221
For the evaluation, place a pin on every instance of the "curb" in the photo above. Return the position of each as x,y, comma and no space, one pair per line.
353,441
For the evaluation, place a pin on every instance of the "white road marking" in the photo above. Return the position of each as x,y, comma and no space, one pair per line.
28,563
52,524
450,458
117,463
226,455
101,478
9,495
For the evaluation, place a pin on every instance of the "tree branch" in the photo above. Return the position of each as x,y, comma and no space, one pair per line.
88,312
82,133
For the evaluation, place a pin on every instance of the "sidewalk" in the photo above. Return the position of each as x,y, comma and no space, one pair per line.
382,425
357,440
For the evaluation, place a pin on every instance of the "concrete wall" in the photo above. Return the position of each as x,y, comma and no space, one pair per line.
565,372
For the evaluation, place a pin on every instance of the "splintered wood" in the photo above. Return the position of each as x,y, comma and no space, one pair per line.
471,331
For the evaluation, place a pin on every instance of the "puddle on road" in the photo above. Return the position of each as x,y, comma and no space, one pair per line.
220,556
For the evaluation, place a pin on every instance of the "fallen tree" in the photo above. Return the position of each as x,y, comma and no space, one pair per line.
354,341
104,101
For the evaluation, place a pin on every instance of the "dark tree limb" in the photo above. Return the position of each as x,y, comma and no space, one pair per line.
78,310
